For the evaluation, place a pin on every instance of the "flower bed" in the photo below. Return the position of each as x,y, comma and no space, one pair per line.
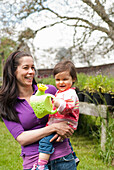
97,89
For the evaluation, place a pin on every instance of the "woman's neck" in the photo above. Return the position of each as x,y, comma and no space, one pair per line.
25,92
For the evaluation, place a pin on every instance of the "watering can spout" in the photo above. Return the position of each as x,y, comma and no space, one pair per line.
41,89
53,112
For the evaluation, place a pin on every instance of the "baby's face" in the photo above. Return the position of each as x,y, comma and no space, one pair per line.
63,80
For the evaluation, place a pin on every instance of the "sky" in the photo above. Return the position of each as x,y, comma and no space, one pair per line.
57,37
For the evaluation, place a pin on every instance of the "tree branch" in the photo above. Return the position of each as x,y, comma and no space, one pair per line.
99,9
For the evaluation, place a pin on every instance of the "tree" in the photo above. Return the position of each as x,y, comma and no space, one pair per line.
91,20
6,46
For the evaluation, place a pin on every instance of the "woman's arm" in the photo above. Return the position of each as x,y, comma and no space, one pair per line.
31,136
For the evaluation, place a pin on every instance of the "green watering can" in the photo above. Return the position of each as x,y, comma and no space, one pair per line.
41,102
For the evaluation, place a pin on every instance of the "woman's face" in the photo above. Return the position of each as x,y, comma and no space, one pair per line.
25,71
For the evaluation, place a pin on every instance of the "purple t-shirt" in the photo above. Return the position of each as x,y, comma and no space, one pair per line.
29,121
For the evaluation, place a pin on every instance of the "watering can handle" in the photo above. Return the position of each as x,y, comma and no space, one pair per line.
53,112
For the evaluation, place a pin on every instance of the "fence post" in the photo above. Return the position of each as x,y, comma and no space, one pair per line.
98,111
103,133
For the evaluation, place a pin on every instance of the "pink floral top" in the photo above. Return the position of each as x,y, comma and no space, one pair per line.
68,109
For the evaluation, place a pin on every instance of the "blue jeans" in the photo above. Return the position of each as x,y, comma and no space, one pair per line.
45,146
64,163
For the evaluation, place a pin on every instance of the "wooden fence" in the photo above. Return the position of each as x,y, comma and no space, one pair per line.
98,111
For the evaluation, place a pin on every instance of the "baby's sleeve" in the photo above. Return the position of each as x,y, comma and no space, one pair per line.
69,102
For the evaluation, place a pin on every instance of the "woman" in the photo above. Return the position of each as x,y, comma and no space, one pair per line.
17,88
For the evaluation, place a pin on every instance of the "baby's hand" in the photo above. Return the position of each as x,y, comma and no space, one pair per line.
57,138
57,102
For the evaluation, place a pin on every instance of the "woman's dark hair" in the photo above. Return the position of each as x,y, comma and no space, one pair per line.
9,89
65,65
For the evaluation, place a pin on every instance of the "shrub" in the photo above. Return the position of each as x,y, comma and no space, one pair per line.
82,78
99,84
48,80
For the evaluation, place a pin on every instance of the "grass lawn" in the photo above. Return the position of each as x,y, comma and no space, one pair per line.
86,149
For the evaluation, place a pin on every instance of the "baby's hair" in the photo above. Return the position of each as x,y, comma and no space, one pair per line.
65,65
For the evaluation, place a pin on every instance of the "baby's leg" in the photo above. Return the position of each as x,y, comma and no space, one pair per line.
43,159
44,156
45,150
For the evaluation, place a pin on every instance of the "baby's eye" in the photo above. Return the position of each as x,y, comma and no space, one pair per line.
25,67
33,68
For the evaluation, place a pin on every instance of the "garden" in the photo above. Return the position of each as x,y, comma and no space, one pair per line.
85,141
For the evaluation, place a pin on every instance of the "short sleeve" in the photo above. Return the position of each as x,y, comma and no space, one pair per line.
51,89
14,128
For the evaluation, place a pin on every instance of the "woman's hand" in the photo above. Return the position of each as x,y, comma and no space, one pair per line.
63,130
